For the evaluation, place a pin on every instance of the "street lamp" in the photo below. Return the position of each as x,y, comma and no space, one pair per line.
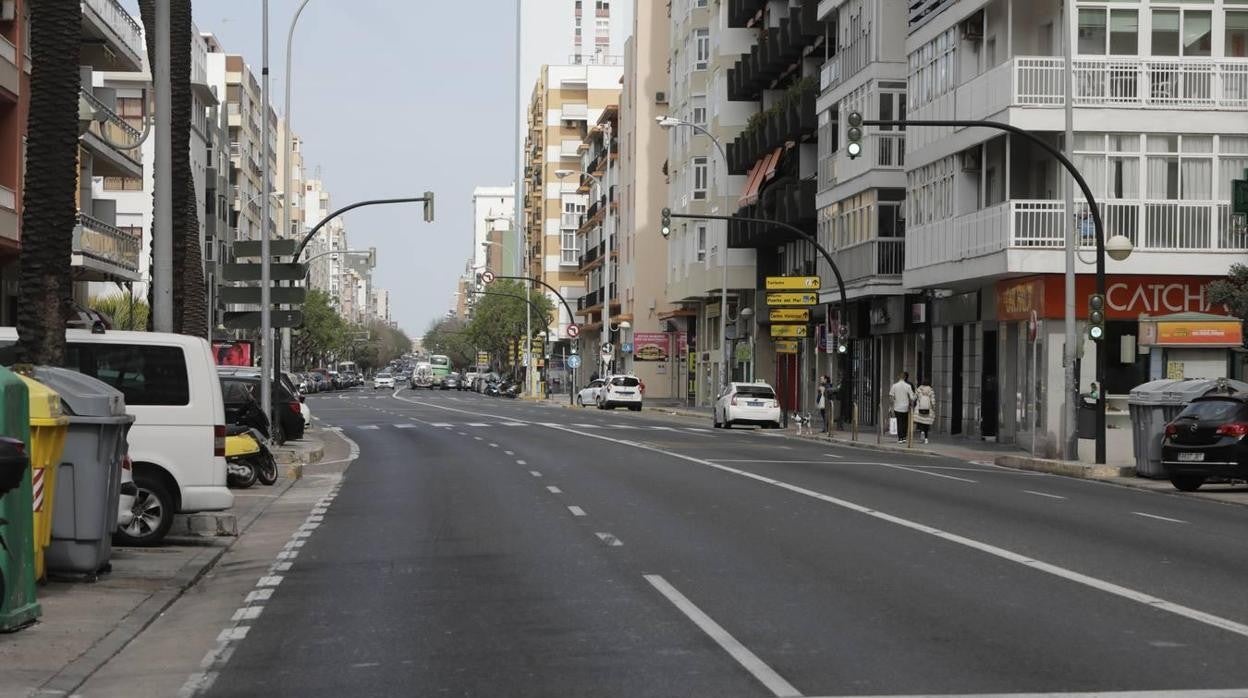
668,122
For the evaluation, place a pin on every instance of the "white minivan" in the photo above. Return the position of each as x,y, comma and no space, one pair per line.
177,443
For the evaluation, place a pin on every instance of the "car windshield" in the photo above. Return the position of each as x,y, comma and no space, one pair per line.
1214,410
758,391
625,381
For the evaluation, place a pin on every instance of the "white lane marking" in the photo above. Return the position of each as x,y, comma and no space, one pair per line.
247,613
553,490
461,433
1199,693
1044,494
609,539
521,462
233,634
404,426
478,438
747,659
583,425
624,426
369,426
514,424
258,595
534,473
755,460
577,511
1118,590
1159,518
833,455
441,424
659,428
925,472
509,453
477,424
698,430
493,445
270,581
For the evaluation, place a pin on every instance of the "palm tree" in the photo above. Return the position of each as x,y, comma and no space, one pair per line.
45,291
190,294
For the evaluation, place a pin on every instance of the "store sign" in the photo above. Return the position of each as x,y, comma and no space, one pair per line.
789,315
1126,297
650,346
1227,333
786,346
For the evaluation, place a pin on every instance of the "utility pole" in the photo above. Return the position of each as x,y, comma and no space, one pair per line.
1070,405
288,186
162,216
266,304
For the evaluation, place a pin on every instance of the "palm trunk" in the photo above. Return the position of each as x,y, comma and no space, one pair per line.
45,291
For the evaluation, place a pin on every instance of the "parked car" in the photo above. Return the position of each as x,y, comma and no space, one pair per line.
383,380
468,380
620,391
177,443
747,403
287,407
129,492
1206,441
589,394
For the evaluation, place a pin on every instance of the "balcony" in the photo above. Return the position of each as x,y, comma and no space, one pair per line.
881,257
570,221
574,112
106,132
112,39
884,152
742,13
10,72
102,252
8,214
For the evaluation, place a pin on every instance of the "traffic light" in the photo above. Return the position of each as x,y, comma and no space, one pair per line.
842,340
853,135
428,207
1096,317
665,228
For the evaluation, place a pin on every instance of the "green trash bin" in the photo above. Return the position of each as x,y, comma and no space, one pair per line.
18,606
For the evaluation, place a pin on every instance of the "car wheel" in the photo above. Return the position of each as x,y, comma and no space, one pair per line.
634,408
1187,483
579,402
153,513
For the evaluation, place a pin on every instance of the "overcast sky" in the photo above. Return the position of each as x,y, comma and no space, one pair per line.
393,97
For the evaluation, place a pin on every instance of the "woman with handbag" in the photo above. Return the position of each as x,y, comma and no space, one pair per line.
924,408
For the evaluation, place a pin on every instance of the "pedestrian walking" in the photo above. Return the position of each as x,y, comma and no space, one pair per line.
903,397
823,401
924,408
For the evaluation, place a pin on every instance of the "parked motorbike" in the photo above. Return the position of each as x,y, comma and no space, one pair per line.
247,455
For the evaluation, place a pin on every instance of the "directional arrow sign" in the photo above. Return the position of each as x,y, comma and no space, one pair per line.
793,283
786,346
789,315
574,361
277,248
487,277
290,271
788,330
250,295
574,331
250,320
774,299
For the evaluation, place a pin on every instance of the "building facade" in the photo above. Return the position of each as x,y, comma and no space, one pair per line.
14,104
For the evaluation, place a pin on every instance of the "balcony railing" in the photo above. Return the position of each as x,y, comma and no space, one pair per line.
886,151
100,241
120,21
873,258
7,50
1152,226
113,128
1183,83
8,198
571,221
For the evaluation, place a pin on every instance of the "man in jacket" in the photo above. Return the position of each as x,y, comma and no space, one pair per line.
902,396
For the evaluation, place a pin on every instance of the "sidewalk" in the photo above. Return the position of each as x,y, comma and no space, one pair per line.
84,624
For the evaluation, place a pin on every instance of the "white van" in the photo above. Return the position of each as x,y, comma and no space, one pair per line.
177,442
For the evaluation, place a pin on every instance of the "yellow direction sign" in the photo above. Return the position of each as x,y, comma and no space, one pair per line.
774,299
786,346
792,283
788,330
789,315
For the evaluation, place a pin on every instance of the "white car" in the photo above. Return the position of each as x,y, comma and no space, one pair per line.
383,380
747,403
621,391
125,503
589,394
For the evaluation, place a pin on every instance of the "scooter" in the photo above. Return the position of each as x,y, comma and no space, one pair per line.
247,455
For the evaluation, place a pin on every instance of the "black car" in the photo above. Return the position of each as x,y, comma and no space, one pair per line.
287,415
1207,441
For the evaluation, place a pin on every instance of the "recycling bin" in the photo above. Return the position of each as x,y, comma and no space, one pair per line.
1155,404
48,427
18,606
88,479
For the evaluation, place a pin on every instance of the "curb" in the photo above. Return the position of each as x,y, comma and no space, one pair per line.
1066,468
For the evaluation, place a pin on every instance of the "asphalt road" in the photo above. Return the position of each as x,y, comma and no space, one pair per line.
485,547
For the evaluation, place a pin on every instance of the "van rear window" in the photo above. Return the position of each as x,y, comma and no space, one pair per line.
146,375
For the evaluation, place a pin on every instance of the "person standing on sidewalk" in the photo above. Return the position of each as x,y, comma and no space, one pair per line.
924,408
823,400
903,397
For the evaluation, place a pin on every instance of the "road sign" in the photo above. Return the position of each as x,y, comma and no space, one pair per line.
788,330
793,283
743,353
626,348
574,361
487,277
483,358
250,295
789,315
574,331
607,349
774,299
277,248
786,346
288,271
250,320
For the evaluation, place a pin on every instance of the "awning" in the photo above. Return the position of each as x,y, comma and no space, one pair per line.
763,170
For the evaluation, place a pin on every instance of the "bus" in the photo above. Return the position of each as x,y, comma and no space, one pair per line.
441,368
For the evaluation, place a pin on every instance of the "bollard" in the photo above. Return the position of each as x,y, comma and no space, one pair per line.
910,429
855,423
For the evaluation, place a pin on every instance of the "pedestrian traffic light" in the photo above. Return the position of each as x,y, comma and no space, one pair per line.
853,135
665,228
1096,317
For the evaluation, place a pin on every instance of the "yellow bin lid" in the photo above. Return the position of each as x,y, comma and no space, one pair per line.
45,405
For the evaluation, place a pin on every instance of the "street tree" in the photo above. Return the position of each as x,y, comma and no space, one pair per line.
1232,290
45,282
498,316
449,336
190,292
324,333
125,310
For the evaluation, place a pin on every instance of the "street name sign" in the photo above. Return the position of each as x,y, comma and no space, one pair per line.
789,315
792,283
788,330
774,299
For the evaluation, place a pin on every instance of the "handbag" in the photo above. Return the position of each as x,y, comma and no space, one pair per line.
892,426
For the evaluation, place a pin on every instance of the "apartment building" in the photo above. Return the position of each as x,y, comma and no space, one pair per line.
14,103
598,235
294,163
380,304
1160,95
655,354
326,264
248,149
591,34
565,100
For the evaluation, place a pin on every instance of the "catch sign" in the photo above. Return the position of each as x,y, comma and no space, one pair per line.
789,315
788,330
786,346
793,283
781,299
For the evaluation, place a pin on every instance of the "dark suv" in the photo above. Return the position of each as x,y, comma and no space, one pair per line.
1206,441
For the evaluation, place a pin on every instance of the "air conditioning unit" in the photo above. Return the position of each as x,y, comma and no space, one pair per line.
660,98
8,10
972,160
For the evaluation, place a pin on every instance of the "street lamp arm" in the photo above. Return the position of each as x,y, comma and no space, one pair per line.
552,290
359,204
317,256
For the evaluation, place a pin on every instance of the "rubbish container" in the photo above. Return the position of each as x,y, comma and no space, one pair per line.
1085,424
1156,403
88,479
47,439
18,606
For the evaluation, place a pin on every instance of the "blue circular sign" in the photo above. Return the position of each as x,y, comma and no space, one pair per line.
574,361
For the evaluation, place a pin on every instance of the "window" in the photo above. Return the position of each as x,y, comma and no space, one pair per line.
701,229
1236,34
1092,31
146,375
1114,31
697,113
1182,33
699,178
568,247
701,49
699,3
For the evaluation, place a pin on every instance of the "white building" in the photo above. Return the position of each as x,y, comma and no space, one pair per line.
493,211
381,304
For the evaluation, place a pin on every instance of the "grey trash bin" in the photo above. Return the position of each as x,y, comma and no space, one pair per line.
89,476
1154,404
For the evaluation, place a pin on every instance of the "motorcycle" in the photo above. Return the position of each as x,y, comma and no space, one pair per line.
247,455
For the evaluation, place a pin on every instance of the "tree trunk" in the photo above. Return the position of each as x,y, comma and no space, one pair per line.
190,295
45,291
